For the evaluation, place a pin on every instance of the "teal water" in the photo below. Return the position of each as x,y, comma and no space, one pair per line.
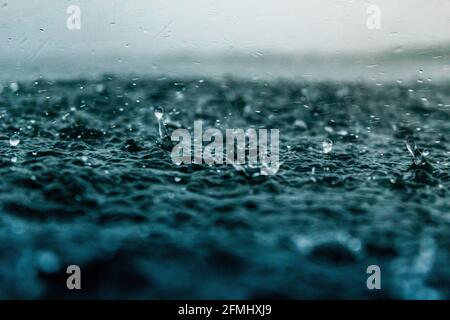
89,184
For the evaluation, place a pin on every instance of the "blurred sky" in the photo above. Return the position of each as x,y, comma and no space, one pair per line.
31,28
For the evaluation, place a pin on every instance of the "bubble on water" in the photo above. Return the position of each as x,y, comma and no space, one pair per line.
14,159
14,140
327,146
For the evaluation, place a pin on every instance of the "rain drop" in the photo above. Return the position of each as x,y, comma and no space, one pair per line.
14,140
14,86
159,112
327,146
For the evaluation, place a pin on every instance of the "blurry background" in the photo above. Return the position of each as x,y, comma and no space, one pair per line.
254,38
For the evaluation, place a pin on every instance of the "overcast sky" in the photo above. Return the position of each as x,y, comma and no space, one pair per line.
33,27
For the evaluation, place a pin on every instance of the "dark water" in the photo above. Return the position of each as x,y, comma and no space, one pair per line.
89,185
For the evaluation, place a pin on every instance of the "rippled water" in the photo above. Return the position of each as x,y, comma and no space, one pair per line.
89,184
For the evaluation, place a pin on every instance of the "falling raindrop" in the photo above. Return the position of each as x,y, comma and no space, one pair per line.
328,129
313,172
163,132
411,145
14,140
327,146
159,112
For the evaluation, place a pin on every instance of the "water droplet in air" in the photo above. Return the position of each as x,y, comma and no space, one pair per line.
14,159
163,132
159,112
14,140
177,179
313,172
327,146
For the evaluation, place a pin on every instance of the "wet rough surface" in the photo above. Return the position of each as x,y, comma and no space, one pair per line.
89,185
